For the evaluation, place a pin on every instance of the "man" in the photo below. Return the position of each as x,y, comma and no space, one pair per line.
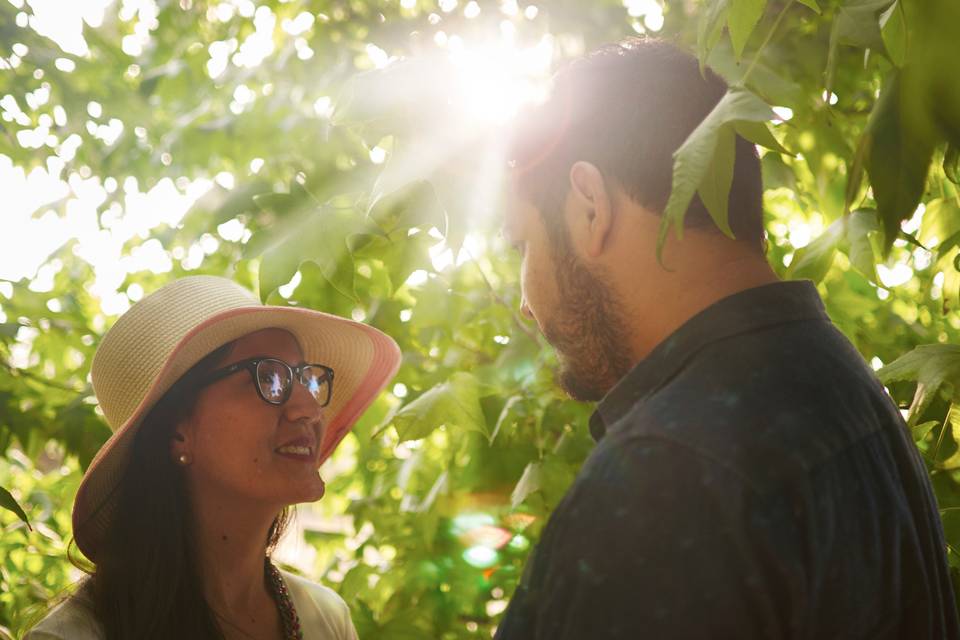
751,478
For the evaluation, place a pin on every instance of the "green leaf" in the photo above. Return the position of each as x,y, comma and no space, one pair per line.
951,164
953,422
856,24
856,230
714,188
392,99
322,238
401,255
219,205
709,29
941,221
940,231
921,431
776,173
691,162
529,482
287,211
82,431
440,485
931,366
150,78
550,476
280,203
504,415
813,261
894,30
7,502
9,329
953,418
860,228
852,193
810,3
414,205
454,403
897,160
759,133
742,19
948,263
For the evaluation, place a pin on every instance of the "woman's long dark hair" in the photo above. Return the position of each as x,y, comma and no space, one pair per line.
147,583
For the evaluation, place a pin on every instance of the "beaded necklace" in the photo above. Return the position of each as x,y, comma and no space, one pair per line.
288,614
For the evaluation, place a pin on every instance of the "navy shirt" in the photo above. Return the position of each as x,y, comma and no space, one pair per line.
752,479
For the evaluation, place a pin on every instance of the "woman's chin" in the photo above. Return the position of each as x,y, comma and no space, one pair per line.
310,492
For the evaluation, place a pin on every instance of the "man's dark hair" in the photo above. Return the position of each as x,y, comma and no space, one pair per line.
626,108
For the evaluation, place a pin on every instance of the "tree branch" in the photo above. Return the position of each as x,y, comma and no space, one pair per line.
17,372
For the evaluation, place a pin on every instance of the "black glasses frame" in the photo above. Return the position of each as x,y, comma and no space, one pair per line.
252,365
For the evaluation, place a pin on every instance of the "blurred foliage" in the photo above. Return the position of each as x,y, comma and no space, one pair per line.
448,479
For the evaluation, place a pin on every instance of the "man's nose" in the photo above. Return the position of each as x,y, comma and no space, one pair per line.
525,309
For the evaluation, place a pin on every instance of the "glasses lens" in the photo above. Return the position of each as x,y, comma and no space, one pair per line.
317,383
274,380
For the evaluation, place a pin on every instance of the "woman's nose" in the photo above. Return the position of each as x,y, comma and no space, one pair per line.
302,405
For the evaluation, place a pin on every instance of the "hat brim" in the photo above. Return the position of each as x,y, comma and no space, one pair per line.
363,358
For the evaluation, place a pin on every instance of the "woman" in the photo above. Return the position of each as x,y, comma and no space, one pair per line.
222,410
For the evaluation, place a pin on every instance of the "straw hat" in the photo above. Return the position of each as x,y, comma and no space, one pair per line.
161,337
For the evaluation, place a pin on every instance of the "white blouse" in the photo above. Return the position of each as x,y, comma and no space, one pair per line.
323,615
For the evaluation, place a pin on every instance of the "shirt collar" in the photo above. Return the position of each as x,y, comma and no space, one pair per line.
743,312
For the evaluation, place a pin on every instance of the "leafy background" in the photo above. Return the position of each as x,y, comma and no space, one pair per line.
342,155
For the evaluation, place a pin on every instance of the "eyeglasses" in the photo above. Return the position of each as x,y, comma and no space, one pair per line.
274,378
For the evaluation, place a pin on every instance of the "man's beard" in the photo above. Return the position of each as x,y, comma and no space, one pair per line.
588,329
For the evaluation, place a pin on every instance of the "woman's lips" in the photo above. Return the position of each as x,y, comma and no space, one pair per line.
296,456
303,449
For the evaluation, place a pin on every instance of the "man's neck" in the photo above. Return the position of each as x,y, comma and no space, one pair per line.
684,293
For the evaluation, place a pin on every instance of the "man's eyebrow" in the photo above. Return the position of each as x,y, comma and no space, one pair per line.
507,227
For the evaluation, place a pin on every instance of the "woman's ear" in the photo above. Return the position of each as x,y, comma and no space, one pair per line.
591,209
181,443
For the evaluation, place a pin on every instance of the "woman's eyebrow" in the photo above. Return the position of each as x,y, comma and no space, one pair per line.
265,356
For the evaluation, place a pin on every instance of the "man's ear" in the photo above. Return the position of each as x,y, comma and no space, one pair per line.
592,209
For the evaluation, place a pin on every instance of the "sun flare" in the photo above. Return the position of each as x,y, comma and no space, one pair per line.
495,80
